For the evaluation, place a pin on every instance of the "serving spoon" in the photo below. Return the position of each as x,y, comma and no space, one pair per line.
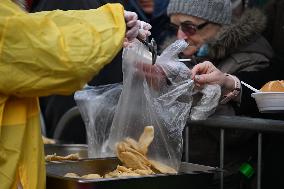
250,87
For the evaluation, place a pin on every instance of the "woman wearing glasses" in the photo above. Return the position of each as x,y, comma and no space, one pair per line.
232,46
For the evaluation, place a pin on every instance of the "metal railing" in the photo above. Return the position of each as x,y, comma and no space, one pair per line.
237,122
223,122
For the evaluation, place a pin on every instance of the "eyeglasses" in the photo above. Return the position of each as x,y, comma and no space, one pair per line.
189,28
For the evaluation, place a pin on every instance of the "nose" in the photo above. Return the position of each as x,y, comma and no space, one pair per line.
181,35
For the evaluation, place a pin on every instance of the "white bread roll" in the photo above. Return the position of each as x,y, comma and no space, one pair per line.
273,86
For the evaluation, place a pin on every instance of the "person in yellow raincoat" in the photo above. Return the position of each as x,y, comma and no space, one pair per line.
48,53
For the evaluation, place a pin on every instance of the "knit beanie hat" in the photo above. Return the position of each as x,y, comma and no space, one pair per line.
216,11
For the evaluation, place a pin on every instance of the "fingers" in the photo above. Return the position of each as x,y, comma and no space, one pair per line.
195,70
125,42
128,16
144,30
132,32
145,25
132,24
206,73
135,27
204,79
201,68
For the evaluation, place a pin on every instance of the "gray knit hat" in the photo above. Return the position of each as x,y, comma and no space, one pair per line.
217,11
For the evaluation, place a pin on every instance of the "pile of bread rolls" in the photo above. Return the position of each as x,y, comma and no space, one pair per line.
273,86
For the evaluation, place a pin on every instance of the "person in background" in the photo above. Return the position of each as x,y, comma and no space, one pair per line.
155,13
206,73
275,22
49,5
47,53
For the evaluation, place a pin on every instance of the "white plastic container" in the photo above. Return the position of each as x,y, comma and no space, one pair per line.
269,102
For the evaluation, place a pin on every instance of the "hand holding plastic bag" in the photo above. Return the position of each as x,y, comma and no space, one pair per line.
169,71
135,27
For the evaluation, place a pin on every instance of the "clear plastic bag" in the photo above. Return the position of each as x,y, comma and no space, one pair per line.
206,102
166,107
97,107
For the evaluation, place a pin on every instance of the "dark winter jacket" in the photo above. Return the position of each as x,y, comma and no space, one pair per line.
48,5
159,20
275,22
238,48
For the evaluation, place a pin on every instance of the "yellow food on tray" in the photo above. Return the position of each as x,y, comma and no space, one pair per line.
54,157
132,154
72,175
91,176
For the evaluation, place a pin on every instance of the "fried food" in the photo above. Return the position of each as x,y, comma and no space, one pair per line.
146,139
72,175
131,157
124,171
132,143
162,167
91,176
47,140
133,154
133,161
54,157
88,176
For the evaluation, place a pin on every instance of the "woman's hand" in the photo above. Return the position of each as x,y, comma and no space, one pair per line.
207,73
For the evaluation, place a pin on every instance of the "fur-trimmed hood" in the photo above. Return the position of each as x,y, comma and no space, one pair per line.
244,35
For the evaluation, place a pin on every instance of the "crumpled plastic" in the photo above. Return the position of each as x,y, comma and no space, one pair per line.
97,106
113,113
166,107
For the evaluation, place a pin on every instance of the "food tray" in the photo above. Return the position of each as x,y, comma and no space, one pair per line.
191,176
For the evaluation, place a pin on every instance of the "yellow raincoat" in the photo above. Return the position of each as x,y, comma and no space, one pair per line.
41,54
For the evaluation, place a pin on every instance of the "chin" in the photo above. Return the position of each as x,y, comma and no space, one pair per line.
148,10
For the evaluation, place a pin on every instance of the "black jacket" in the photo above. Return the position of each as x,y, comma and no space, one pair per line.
48,5
158,19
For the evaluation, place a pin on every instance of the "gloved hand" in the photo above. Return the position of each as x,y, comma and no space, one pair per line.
135,27
144,30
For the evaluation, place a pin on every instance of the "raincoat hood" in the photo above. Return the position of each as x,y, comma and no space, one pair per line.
244,35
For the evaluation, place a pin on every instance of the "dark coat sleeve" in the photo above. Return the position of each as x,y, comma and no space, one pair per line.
257,79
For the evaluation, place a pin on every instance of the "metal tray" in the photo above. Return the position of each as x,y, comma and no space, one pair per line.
66,149
190,175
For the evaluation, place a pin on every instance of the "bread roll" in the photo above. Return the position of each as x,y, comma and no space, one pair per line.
273,86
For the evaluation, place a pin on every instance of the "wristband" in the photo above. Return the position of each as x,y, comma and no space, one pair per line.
234,93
